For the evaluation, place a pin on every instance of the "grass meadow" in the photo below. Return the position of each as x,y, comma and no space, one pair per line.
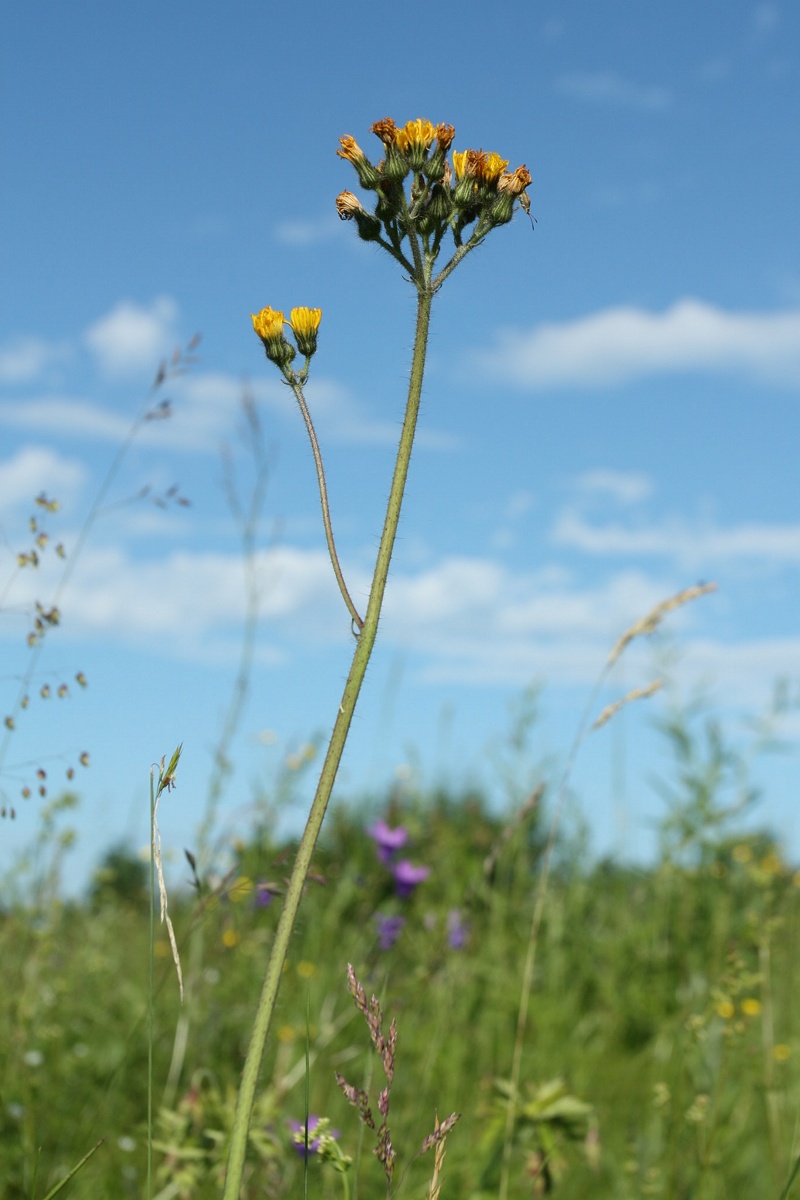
658,1057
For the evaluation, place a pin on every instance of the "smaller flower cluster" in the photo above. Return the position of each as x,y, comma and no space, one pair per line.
388,842
478,186
304,324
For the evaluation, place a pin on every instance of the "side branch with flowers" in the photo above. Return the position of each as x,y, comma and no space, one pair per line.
419,199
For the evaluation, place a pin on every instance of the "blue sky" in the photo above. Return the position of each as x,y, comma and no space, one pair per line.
610,409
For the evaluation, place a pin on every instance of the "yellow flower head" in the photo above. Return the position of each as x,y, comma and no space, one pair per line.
305,321
725,1010
415,134
305,324
751,1007
460,163
493,166
349,149
268,324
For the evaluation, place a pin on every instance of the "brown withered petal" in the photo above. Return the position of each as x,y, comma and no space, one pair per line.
514,182
347,205
386,130
444,136
349,149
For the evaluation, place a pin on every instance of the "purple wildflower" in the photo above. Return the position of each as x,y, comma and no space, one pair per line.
407,876
389,929
387,840
263,895
299,1131
457,929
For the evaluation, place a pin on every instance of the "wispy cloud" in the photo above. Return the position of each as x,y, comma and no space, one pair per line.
307,232
625,487
35,469
133,337
607,87
684,543
26,359
618,345
460,620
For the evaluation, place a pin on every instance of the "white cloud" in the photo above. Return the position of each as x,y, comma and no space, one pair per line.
626,487
685,543
308,232
606,87
65,415
134,337
36,469
464,620
618,345
23,359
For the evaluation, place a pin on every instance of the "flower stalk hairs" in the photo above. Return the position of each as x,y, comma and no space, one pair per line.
418,204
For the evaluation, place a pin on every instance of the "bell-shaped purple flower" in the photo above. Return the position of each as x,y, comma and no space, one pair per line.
389,930
387,840
407,876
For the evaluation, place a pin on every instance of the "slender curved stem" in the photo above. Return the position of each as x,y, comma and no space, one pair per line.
326,512
361,657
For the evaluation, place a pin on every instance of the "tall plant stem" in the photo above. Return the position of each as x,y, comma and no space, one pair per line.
355,678
326,512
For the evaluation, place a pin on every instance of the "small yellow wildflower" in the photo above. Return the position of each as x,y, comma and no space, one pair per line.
751,1007
305,321
230,938
772,863
286,1034
459,163
725,1009
493,167
268,324
781,1052
306,970
414,134
241,889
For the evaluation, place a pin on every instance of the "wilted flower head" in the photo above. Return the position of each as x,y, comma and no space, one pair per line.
349,149
387,840
389,930
407,876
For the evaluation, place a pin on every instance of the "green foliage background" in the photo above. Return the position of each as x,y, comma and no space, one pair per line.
660,1057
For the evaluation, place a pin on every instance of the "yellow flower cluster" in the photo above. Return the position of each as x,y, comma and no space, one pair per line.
304,323
484,189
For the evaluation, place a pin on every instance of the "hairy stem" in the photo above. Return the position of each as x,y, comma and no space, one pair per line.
326,512
355,678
